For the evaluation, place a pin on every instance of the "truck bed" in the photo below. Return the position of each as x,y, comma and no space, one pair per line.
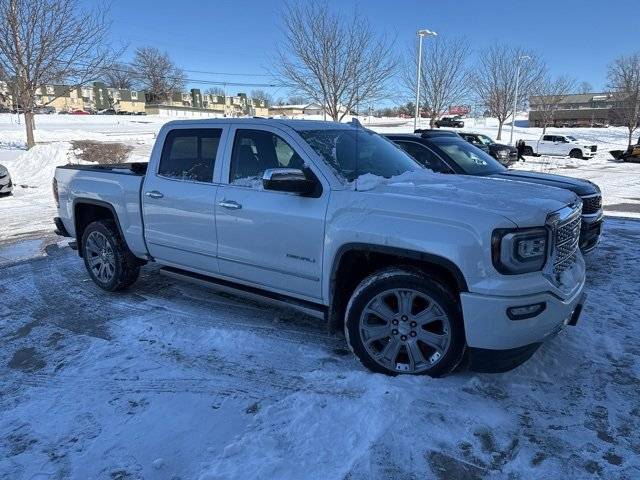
133,168
116,187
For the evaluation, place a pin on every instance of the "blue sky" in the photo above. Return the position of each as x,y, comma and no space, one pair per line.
575,37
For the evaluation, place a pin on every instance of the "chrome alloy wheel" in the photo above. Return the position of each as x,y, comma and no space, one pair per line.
405,330
100,257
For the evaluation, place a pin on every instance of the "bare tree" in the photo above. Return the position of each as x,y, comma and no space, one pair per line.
444,76
624,83
333,59
584,88
262,95
548,95
297,100
157,74
120,75
216,91
51,41
494,79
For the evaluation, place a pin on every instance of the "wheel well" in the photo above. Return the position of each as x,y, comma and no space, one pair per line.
86,213
354,265
579,150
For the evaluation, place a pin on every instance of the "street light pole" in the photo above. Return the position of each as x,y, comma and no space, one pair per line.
421,34
515,97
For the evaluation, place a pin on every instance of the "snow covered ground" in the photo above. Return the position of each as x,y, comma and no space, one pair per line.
171,381
30,210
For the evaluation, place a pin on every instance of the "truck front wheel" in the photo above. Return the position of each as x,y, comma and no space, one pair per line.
575,153
108,260
401,321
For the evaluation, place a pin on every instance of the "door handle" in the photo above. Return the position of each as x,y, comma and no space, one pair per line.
230,204
154,194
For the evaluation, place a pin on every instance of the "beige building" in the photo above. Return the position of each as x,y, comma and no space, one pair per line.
61,97
287,110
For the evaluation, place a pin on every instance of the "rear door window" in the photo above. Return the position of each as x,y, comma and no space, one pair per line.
190,154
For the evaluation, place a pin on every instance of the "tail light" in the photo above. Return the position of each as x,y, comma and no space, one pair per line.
55,192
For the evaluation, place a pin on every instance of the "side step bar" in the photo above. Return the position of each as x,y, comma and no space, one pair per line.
278,300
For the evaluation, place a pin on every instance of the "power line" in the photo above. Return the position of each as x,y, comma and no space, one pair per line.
196,81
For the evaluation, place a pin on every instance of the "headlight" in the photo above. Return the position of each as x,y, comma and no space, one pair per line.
3,171
520,250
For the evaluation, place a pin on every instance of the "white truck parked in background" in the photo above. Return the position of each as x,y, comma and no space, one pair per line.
560,146
419,268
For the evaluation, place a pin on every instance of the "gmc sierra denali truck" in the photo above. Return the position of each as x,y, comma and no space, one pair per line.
419,268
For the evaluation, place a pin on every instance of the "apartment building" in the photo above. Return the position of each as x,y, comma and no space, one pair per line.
102,97
61,97
578,110
99,96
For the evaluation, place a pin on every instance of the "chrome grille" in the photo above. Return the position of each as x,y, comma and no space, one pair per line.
591,205
567,237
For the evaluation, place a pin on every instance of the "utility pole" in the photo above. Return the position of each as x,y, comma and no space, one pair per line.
515,97
421,34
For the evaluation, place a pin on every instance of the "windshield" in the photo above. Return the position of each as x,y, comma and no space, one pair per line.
573,139
470,159
485,140
356,151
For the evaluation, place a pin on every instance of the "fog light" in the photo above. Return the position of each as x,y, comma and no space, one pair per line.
526,311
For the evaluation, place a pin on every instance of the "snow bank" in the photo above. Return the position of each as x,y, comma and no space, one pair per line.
36,167
31,208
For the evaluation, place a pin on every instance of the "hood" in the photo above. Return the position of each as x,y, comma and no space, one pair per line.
500,146
576,185
579,141
525,204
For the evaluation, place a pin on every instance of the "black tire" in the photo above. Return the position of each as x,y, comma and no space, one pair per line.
126,265
528,151
575,153
406,278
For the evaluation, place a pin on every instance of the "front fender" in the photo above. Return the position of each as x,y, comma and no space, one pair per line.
460,246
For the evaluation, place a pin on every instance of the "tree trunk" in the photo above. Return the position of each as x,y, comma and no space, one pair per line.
630,137
29,123
544,128
500,122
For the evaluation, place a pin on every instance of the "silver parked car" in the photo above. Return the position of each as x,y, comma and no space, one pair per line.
6,187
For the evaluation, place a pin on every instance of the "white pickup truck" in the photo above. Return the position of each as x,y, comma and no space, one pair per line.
560,146
419,268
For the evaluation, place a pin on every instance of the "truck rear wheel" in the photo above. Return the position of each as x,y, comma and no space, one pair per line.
401,321
528,151
108,260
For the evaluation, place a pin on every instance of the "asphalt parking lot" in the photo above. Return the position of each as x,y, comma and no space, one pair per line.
172,381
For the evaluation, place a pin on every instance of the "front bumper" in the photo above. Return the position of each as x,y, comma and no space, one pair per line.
487,360
491,334
6,186
590,231
60,228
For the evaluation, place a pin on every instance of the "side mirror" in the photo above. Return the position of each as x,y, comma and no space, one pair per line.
291,180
